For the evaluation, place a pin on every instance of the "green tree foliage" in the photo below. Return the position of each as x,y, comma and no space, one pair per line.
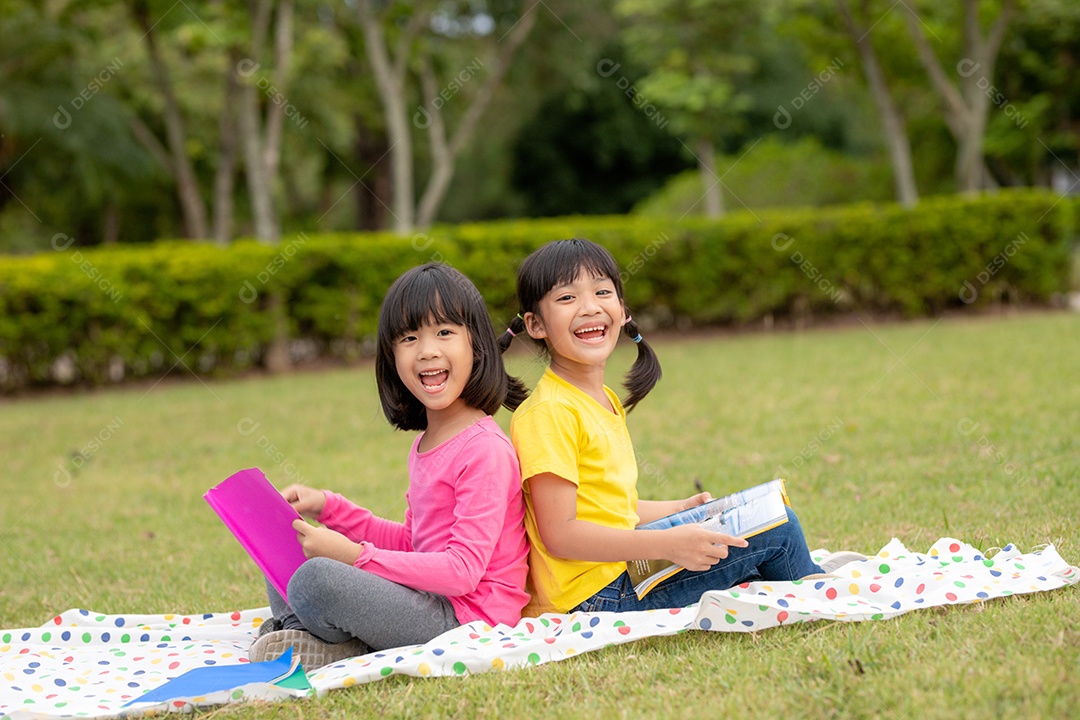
85,148
1033,136
68,160
597,149
699,53
560,61
779,173
89,311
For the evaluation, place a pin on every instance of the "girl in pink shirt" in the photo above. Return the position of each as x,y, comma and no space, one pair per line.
461,553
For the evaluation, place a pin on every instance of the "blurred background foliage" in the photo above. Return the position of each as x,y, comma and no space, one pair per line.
107,315
134,120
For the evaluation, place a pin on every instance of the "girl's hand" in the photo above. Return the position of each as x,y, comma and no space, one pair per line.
309,502
695,500
324,542
695,548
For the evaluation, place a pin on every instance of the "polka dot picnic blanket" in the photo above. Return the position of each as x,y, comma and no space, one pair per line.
87,664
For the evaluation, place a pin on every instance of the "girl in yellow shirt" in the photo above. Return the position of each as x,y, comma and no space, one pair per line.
579,473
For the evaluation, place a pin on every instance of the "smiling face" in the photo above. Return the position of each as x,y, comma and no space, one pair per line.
579,321
434,363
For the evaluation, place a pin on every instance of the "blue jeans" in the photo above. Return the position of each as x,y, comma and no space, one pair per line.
777,554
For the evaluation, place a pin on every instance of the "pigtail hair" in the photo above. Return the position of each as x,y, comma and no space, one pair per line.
645,372
516,392
517,325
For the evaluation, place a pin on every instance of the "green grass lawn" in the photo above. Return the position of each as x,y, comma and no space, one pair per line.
961,427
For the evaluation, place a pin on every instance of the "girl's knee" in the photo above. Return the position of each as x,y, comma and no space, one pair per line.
793,521
785,534
311,579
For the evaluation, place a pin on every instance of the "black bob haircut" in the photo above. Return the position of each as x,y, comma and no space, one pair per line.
560,262
437,293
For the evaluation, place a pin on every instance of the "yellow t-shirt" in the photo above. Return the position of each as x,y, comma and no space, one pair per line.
560,429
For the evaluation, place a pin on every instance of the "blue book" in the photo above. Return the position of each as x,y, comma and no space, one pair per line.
205,680
742,514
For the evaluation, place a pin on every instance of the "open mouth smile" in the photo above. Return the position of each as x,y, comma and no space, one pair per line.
434,380
592,333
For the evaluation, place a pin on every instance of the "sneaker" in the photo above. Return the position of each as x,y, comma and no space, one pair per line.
270,625
312,652
834,561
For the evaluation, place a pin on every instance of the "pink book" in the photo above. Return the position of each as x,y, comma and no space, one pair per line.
261,519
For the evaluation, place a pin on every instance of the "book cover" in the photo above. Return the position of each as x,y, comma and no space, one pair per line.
744,514
284,672
261,519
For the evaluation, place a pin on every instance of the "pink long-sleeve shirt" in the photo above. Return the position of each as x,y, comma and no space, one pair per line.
464,532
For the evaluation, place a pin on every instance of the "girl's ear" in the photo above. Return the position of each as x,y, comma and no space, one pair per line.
534,326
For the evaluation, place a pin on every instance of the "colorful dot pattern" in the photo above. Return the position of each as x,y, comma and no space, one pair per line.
893,582
884,586
85,664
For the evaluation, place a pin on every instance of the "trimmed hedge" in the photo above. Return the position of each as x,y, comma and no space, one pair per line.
100,315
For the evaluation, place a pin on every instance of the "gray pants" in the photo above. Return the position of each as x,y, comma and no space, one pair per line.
336,602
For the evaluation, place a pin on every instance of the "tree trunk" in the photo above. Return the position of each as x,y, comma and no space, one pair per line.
710,182
225,174
192,208
444,153
275,112
969,155
442,157
262,208
110,224
258,181
276,359
151,142
892,122
907,192
390,81
369,149
966,108
401,162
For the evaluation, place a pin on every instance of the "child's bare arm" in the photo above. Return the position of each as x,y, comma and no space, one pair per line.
649,510
564,535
